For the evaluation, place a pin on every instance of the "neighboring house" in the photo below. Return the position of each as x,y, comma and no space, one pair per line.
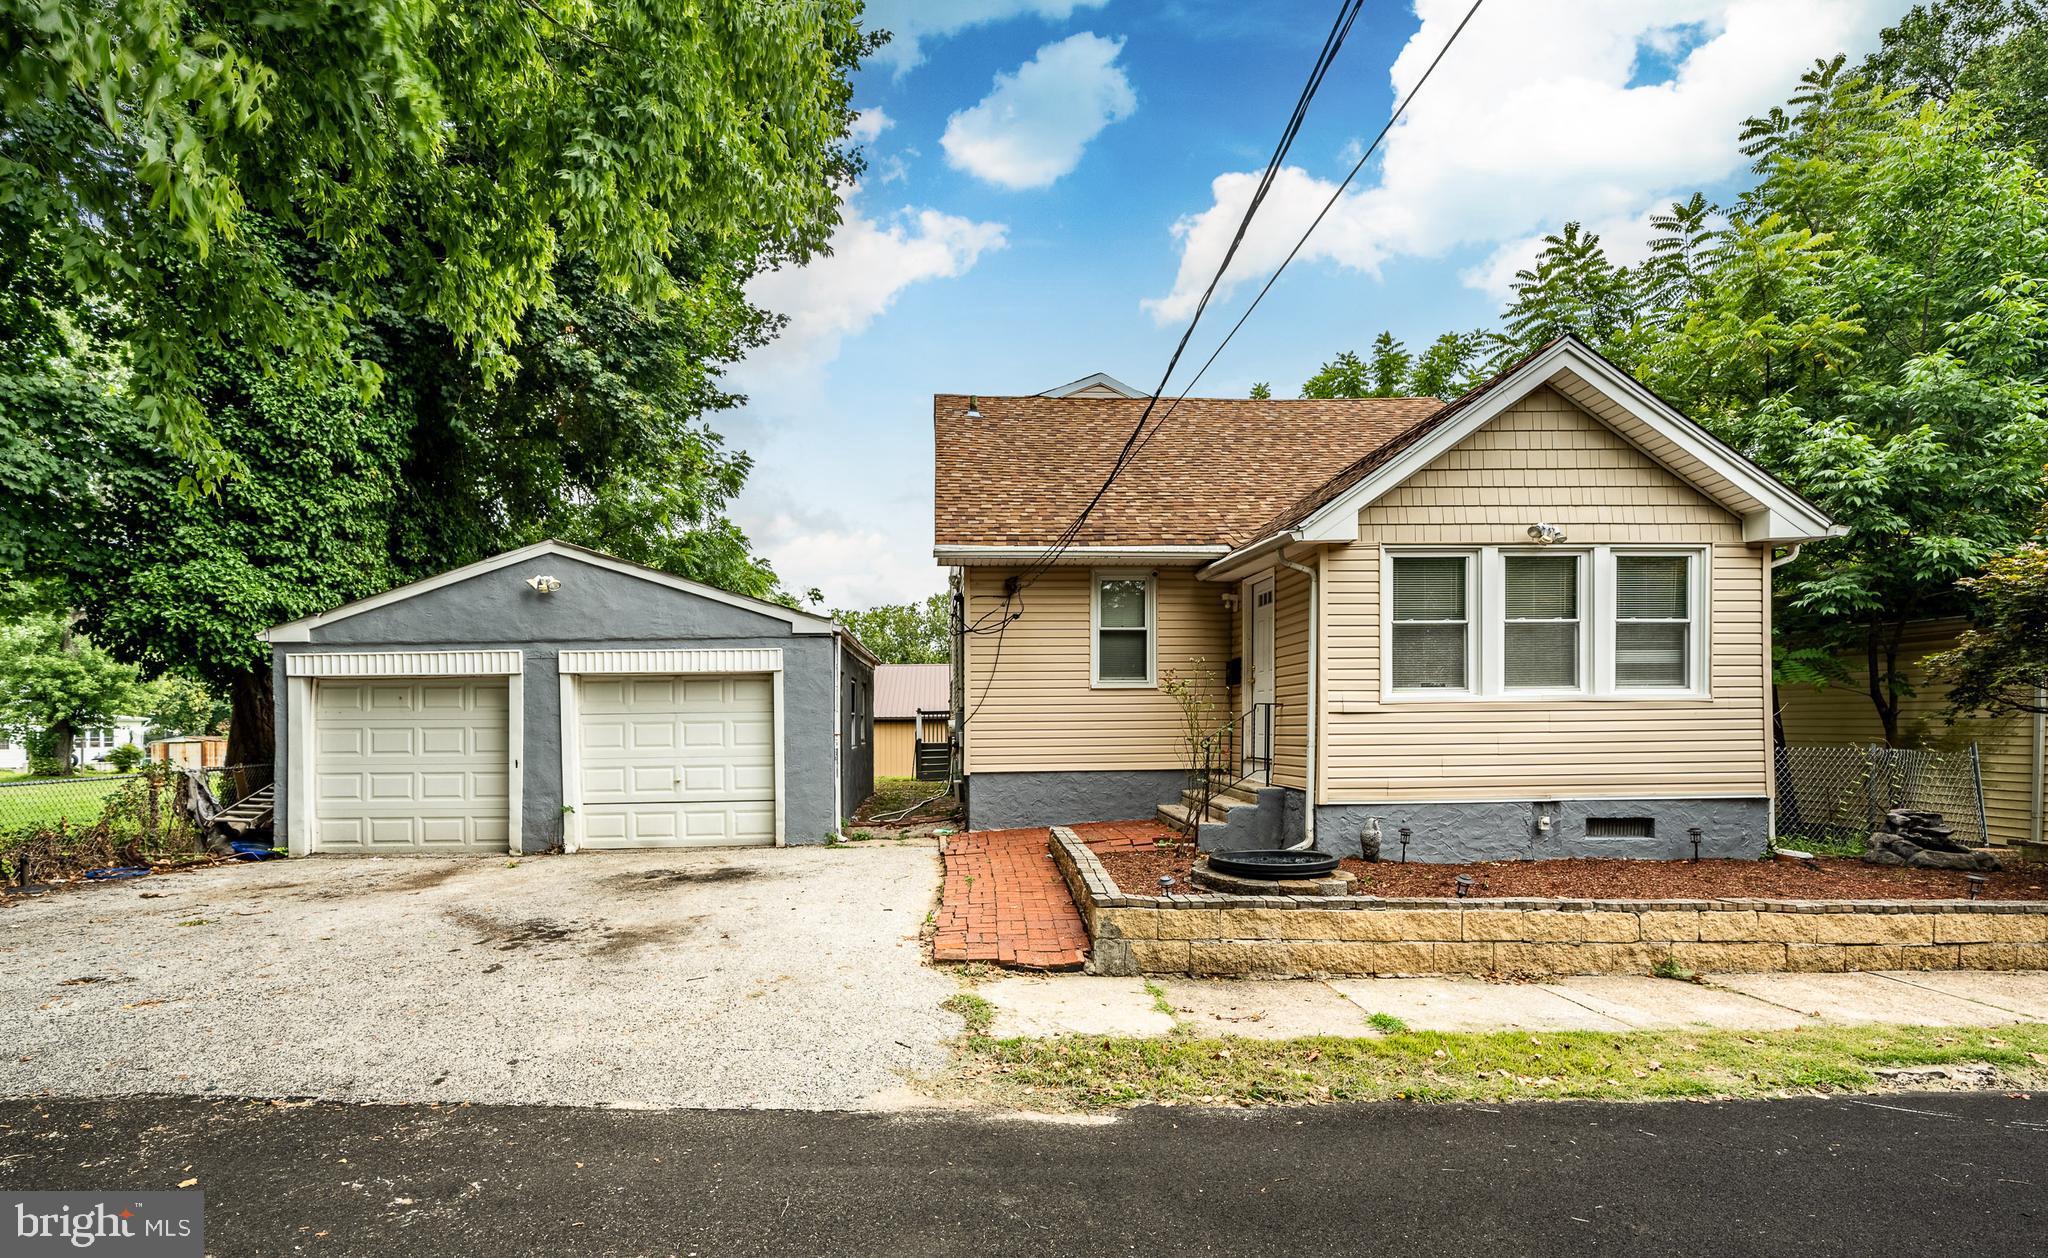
903,692
1367,578
2013,749
555,696
91,746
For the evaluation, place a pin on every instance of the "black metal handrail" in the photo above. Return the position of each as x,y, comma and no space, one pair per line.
1225,760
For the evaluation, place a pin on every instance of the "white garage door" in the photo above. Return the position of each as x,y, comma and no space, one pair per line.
403,765
676,761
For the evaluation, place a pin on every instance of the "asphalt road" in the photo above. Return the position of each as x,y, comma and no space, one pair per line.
1951,1174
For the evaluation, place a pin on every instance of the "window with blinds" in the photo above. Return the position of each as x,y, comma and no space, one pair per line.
1653,627
1540,640
1431,629
1123,631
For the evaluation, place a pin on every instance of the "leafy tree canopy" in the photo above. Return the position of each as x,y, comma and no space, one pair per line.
439,161
55,684
905,633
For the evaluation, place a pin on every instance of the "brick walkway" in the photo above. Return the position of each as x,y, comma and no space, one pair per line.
1004,900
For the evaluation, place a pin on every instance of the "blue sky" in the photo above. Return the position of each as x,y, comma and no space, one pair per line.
1051,182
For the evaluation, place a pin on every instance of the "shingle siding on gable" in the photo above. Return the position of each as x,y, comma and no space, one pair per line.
1544,459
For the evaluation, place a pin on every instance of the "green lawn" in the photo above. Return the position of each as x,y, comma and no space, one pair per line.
32,804
1093,1072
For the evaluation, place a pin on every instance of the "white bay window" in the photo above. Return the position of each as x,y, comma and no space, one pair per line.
1529,623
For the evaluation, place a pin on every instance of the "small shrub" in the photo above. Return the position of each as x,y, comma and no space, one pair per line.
125,759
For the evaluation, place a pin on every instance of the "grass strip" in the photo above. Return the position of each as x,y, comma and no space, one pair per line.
1093,1072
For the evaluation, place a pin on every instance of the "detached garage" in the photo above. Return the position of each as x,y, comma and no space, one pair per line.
554,696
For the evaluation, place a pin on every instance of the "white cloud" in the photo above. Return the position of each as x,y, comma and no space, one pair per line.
872,260
1530,121
877,556
1033,125
913,21
869,124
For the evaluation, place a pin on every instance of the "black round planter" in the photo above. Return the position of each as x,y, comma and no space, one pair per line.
1273,863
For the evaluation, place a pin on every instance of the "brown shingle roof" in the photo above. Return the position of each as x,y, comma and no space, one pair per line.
1215,472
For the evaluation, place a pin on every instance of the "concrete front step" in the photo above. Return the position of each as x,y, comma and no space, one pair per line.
1219,807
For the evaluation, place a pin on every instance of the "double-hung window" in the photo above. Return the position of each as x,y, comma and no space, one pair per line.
1125,605
1540,635
1653,622
1432,629
1518,622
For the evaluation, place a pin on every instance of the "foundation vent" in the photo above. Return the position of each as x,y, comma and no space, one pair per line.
1621,827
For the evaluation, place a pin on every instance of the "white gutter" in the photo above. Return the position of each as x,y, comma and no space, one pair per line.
1230,563
955,556
1791,553
1308,812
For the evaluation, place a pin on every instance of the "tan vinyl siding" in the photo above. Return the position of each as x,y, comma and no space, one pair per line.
1545,460
1290,678
895,749
1841,715
1041,714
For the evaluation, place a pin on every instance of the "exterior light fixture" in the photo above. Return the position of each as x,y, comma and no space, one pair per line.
1977,882
1404,845
1464,883
544,584
1695,833
1166,884
1545,534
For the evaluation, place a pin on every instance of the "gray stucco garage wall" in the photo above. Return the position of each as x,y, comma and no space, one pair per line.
1003,801
596,608
857,765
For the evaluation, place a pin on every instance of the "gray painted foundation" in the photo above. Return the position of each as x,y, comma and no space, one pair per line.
1005,801
1504,830
1483,831
595,609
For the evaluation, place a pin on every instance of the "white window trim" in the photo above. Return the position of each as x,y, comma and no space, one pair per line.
1698,642
1095,679
1485,584
1475,605
1493,563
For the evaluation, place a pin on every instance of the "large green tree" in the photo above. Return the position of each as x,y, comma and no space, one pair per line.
54,685
905,633
441,161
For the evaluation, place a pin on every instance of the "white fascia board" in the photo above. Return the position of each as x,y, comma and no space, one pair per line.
1337,520
966,556
301,630
1260,554
1095,380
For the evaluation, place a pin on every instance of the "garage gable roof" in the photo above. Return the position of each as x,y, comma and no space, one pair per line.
301,630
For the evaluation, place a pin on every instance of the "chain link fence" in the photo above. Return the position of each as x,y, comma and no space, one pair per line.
50,826
1836,796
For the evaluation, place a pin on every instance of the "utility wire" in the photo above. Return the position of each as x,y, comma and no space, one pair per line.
1340,28
1399,109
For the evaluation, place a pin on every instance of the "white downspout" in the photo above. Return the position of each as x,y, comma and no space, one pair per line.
838,730
1308,822
2040,818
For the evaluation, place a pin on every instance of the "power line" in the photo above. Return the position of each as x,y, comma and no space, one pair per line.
1340,28
1400,108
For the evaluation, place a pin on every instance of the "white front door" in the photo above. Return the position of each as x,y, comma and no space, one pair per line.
404,765
684,761
1259,661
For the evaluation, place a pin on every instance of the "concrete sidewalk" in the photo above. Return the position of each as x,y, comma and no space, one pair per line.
1081,1004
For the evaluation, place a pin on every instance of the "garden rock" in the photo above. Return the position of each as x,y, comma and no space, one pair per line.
1917,838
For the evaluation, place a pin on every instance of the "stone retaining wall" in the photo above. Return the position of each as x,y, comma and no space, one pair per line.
1285,937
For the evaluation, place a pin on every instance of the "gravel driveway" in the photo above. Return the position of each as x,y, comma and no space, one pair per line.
787,979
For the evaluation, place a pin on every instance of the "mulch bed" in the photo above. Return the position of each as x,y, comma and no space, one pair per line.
1138,870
